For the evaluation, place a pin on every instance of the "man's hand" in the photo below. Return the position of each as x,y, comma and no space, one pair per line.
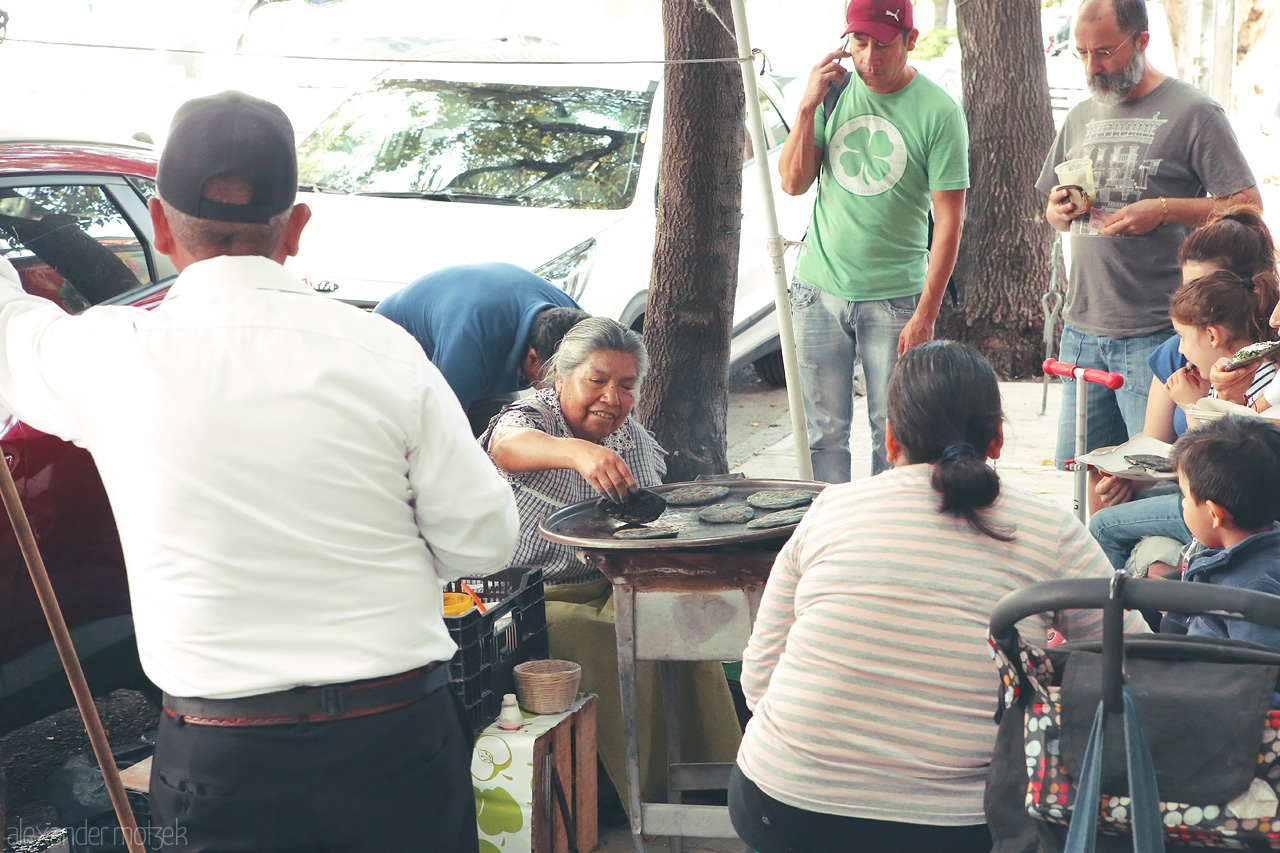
1231,385
821,77
1186,385
1137,218
1113,491
1061,209
919,330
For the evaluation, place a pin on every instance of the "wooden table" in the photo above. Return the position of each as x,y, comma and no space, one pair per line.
512,773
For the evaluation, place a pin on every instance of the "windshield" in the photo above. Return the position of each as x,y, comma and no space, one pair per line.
542,146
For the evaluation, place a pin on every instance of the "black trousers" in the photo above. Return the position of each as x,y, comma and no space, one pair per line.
399,780
769,826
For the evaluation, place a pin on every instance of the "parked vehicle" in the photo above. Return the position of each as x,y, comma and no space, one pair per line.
552,167
73,221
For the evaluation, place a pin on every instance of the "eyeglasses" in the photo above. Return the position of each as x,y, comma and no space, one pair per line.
1105,53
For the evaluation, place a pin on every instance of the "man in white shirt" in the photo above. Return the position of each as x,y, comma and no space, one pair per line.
293,482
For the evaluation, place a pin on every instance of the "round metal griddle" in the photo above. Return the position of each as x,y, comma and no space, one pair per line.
584,526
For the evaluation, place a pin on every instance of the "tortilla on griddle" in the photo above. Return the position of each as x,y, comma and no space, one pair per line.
641,507
771,499
781,518
697,495
731,514
645,533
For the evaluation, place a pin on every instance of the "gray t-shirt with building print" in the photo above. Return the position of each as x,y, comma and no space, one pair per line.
1174,142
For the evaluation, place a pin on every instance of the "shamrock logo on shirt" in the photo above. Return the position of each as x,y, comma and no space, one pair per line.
867,155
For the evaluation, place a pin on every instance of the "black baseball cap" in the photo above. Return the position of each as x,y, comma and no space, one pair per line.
229,133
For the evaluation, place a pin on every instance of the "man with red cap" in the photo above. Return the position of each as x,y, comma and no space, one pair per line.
890,144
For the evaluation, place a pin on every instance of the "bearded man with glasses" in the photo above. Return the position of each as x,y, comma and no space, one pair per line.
1164,157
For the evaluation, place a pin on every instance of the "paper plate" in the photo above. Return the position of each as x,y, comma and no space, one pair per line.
1211,408
1110,460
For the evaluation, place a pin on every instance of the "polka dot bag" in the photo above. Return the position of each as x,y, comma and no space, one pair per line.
1209,721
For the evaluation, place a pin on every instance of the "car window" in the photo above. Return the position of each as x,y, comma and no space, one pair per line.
145,187
540,146
775,127
70,244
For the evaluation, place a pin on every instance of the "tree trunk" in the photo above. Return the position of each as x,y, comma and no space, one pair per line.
1004,261
940,9
695,256
1173,17
1252,17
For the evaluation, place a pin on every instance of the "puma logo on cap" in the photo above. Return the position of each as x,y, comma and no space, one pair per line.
893,14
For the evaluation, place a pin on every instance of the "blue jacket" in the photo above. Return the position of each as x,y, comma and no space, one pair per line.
1252,564
473,323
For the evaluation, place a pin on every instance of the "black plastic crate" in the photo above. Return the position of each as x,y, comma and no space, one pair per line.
490,644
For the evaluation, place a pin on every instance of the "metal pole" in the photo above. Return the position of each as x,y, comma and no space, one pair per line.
71,663
776,246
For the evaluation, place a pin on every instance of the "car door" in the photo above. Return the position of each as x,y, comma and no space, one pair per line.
77,240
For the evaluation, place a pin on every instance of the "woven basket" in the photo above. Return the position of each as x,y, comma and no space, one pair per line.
547,686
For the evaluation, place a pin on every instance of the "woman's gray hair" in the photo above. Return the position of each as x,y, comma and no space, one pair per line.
592,335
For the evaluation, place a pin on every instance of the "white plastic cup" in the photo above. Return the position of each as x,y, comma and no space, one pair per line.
1077,172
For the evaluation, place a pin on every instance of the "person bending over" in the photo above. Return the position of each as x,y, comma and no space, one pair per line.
488,327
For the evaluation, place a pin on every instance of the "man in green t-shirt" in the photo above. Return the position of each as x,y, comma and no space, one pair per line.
868,286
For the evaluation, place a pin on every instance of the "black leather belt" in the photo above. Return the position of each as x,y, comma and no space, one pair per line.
326,703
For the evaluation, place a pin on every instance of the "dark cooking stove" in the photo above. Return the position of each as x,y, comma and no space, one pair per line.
702,556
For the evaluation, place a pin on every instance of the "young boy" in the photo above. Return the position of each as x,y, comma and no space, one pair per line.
1229,471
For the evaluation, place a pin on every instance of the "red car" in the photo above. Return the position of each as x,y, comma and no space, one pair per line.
73,221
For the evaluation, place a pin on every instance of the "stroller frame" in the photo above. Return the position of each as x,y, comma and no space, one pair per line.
1012,827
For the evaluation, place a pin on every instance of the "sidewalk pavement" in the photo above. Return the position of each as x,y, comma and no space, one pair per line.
1026,463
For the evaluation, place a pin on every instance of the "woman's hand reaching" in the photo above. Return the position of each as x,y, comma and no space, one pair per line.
603,468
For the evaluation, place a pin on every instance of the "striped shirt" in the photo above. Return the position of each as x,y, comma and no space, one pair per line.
540,493
868,667
1263,378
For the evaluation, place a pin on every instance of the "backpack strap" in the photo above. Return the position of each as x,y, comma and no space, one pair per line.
833,95
828,107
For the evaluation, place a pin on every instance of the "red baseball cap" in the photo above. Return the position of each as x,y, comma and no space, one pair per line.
883,20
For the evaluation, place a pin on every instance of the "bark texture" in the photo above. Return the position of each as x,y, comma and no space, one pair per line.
689,317
1252,18
1004,261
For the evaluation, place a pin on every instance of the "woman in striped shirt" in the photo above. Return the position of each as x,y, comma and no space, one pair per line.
868,668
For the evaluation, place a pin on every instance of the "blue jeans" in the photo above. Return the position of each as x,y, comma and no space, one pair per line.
831,334
1113,417
1120,528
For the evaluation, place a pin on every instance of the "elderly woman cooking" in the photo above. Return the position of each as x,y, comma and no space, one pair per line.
571,442
568,443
